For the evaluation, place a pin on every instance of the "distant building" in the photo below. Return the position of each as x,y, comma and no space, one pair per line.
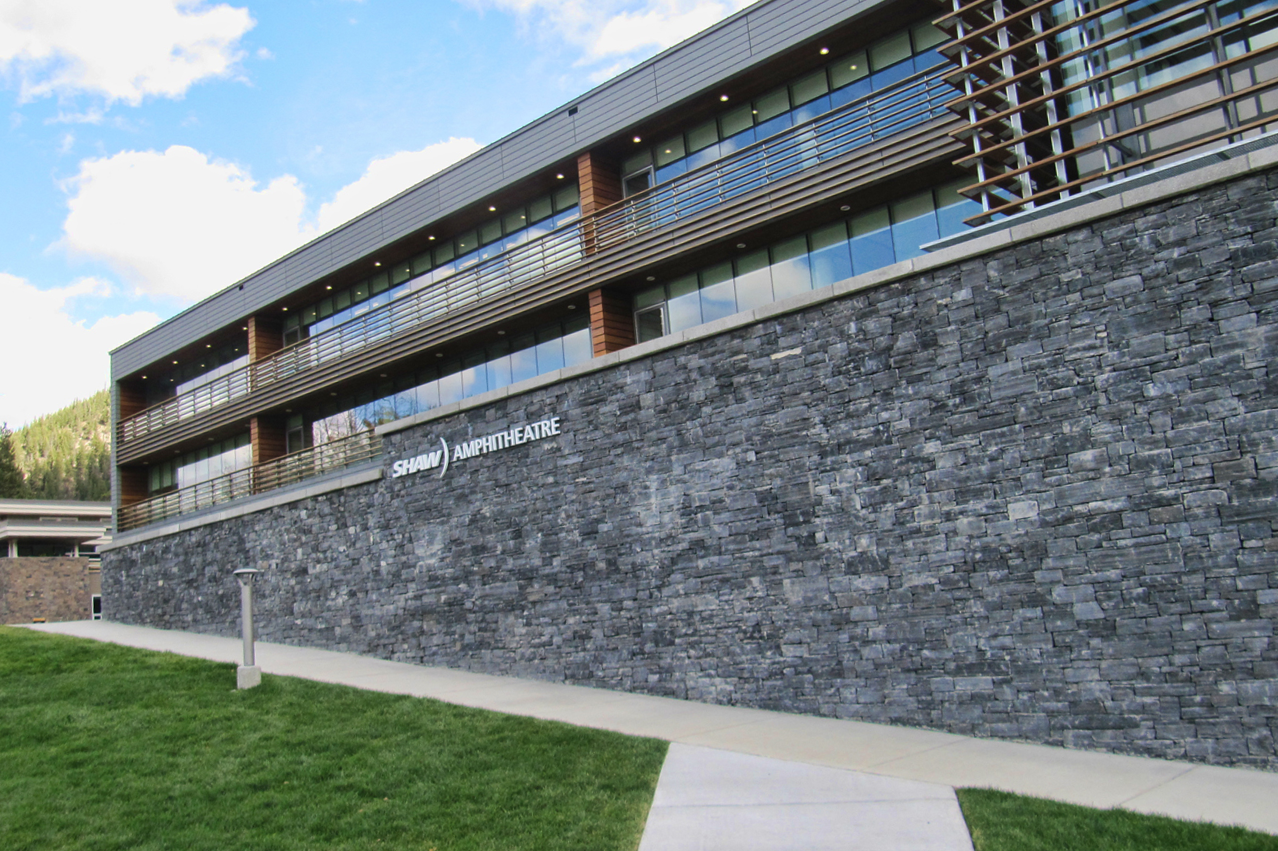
49,559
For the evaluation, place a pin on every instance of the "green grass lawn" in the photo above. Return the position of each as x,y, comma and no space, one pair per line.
106,747
1000,821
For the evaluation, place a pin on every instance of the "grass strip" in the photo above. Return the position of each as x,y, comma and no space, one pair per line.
108,747
1002,821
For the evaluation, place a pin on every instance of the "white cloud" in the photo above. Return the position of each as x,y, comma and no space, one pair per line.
70,356
607,29
179,224
123,50
384,178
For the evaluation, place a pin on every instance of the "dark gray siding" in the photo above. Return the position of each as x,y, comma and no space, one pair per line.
753,35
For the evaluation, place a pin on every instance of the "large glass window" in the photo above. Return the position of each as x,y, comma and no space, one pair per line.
489,368
870,240
201,465
891,60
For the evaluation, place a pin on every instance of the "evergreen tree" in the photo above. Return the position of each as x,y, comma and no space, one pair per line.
12,485
67,454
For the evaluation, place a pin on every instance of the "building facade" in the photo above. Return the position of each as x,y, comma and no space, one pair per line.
875,360
49,562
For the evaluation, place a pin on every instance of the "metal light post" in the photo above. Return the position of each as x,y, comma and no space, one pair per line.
249,674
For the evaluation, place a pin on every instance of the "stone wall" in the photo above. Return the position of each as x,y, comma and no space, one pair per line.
51,589
1031,495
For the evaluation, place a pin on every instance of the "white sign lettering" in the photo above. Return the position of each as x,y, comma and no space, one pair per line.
440,458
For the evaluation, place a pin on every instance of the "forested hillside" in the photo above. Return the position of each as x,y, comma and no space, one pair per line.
65,455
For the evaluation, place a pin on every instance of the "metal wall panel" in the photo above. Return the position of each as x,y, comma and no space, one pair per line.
604,112
763,30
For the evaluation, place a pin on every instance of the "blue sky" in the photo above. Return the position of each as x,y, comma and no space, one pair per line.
155,151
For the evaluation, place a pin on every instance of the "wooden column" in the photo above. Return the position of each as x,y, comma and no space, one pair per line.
599,183
131,396
267,437
612,322
133,484
265,337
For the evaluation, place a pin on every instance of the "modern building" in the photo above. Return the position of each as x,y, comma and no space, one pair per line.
49,562
871,359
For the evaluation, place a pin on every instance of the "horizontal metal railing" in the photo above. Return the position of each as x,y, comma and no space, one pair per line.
288,470
910,102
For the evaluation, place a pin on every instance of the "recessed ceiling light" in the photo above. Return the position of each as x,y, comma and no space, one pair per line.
439,354
845,208
175,363
431,238
572,307
288,410
144,376
491,208
381,375
652,278
377,262
852,67
332,393
559,177
286,310
825,51
638,139
328,287
740,245
501,333
208,345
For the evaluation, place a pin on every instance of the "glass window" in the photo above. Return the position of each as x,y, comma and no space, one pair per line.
474,375
359,292
637,161
498,371
649,297
952,208
341,300
550,351
702,136
809,88
540,209
791,273
422,263
514,222
650,324
490,232
829,257
734,121
925,36
771,105
849,69
566,198
753,280
428,395
891,50
577,348
913,224
467,243
450,388
523,358
684,307
670,150
718,298
872,241
444,253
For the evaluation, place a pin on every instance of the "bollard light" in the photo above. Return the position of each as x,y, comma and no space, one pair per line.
249,674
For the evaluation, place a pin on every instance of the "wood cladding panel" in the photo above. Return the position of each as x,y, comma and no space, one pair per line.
265,337
599,181
131,397
133,484
267,438
829,183
612,325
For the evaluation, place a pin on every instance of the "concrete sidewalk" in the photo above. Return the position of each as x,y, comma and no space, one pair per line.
1179,789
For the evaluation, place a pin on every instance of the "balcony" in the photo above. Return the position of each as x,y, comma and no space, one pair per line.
261,478
879,119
